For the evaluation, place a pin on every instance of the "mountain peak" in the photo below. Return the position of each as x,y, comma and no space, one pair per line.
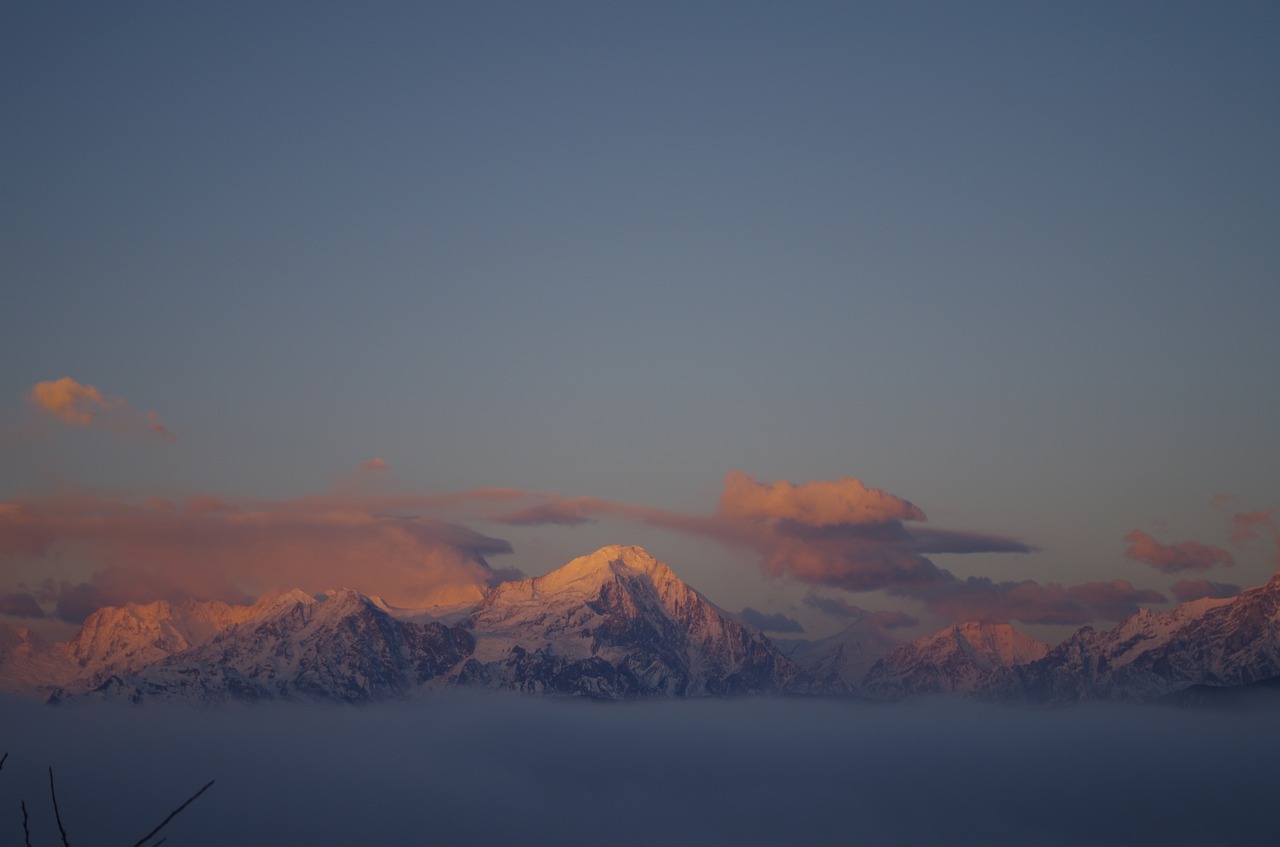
602,565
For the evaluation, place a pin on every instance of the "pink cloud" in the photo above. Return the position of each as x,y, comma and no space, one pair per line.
1187,590
1171,558
374,464
81,405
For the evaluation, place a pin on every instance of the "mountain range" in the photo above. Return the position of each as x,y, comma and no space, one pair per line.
618,624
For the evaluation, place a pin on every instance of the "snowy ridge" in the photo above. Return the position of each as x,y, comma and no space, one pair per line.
1208,642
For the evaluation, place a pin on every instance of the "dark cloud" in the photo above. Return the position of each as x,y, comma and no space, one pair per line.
979,598
928,540
1171,558
20,604
1187,590
776,622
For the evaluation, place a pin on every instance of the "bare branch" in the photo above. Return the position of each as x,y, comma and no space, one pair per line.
172,815
2,758
26,828
57,815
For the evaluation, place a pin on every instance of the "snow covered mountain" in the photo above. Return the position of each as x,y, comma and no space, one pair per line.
617,623
838,663
955,660
1206,642
614,624
339,646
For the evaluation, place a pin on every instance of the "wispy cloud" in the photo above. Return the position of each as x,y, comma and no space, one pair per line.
76,404
1172,558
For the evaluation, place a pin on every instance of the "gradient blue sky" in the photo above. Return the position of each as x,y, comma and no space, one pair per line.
1017,263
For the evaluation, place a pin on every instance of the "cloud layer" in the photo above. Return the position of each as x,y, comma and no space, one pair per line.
211,548
847,535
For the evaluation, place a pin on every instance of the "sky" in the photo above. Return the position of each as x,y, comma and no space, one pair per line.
945,310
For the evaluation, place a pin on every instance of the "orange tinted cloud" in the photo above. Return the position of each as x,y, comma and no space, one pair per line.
77,404
1171,558
1187,590
217,549
374,464
818,503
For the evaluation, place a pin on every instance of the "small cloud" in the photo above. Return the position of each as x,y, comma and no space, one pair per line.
1220,499
374,464
20,604
1194,589
76,404
776,622
1171,558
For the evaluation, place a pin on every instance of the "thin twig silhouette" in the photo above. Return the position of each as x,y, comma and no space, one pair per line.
56,814
172,815
2,758
26,828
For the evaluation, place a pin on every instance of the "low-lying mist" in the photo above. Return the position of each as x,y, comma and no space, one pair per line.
478,768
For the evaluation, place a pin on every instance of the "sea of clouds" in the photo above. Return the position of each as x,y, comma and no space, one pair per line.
479,768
